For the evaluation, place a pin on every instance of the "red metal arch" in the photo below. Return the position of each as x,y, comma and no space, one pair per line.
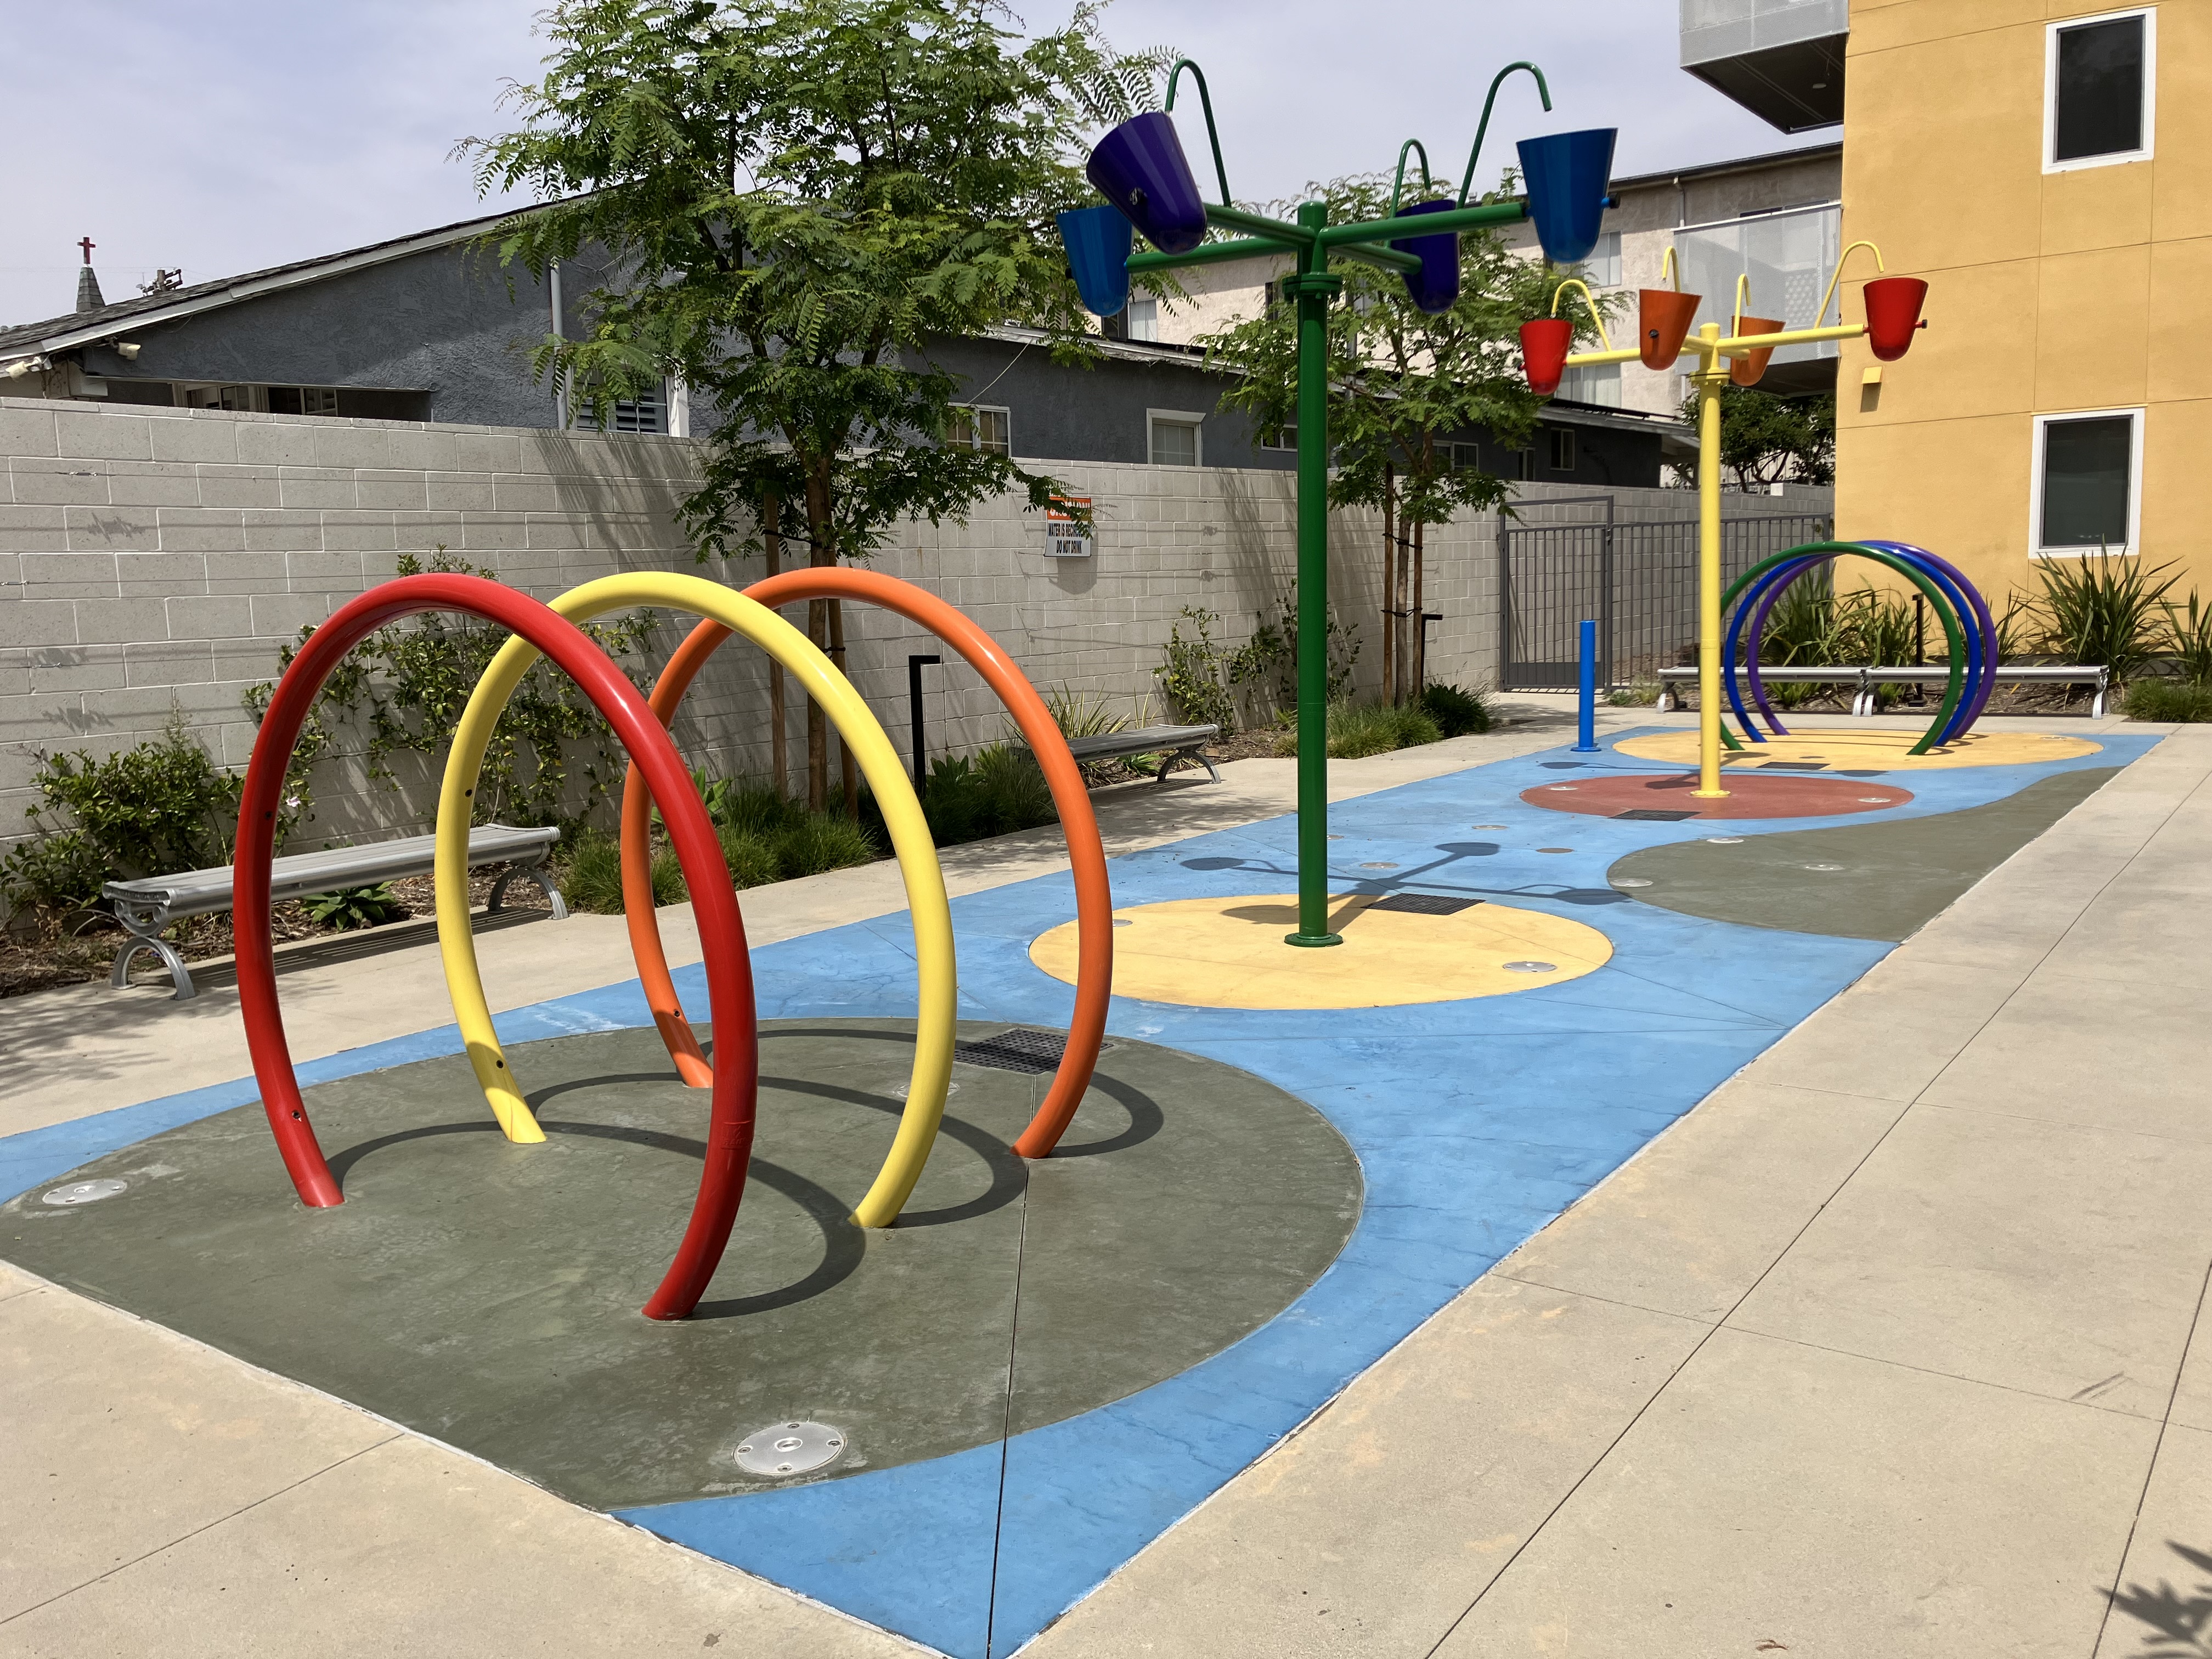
733,1104
1086,855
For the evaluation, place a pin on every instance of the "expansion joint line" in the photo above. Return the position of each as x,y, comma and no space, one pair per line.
1006,1419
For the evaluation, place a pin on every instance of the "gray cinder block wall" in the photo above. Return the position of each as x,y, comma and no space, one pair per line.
158,559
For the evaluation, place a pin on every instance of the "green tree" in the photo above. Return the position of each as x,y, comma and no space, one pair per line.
1766,439
1404,385
796,197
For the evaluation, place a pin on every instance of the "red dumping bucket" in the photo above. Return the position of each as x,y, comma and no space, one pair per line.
1543,344
1892,312
1663,320
1747,371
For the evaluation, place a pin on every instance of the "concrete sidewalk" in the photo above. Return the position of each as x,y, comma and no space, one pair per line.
1885,1349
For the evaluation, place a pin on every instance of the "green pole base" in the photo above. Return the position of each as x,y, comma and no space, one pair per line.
1313,941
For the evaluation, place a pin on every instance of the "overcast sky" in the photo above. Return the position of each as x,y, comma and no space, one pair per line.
226,136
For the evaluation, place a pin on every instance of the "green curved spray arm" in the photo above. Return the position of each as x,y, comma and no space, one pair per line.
1542,90
1206,102
1399,183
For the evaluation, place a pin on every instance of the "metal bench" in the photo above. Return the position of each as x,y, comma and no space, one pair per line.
147,906
1171,743
1863,681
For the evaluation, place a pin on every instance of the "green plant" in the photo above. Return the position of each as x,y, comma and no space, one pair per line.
751,859
160,806
1194,678
1765,438
2106,610
1638,694
994,791
402,688
823,840
1357,730
2188,641
2164,700
1457,712
356,907
590,874
62,870
1079,716
750,806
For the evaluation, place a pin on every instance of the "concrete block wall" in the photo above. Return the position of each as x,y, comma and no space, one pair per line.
153,559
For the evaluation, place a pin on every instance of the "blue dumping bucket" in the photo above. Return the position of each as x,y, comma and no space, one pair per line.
1435,285
1567,175
1140,168
1098,240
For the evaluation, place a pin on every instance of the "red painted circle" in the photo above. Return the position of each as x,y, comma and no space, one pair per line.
1751,795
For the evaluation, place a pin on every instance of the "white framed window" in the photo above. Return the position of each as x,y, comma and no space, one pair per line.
2100,82
1603,268
646,413
2087,483
1144,316
1176,437
1597,384
979,426
1279,437
1563,456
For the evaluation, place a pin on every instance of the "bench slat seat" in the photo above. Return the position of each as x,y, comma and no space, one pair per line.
147,906
1865,679
1171,743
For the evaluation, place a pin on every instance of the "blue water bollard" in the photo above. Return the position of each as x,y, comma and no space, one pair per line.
1586,707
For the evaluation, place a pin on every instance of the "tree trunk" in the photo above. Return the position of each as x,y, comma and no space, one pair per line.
779,746
1420,674
848,769
820,550
1390,584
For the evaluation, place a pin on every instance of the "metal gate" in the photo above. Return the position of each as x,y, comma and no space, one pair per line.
1637,581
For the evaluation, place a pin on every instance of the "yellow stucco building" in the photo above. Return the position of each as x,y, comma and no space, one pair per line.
2048,168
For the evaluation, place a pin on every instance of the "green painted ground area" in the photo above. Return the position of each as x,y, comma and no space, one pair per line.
488,1294
1857,881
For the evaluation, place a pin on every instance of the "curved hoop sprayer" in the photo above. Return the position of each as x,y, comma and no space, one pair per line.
878,763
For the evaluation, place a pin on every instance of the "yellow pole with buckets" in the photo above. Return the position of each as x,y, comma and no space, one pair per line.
1892,313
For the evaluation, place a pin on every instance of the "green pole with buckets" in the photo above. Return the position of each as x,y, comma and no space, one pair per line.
1140,168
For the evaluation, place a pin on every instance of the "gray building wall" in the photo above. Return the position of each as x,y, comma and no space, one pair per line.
153,560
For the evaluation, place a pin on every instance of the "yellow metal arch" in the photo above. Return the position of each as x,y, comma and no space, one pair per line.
878,763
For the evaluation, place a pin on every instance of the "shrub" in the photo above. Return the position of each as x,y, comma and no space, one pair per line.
1457,712
356,907
162,806
591,876
2188,639
2169,701
1641,694
1194,676
994,791
62,871
1358,730
750,806
752,860
2107,610
820,842
1079,716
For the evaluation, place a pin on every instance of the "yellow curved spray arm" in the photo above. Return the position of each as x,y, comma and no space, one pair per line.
1743,299
1821,316
1596,315
878,763
1669,272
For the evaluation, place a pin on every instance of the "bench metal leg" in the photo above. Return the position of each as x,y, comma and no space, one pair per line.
1666,703
2097,704
180,976
536,874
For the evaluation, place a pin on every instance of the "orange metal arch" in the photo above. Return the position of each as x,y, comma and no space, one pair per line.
1094,902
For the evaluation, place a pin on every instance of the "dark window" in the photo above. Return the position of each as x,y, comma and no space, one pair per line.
1563,449
2098,94
2086,468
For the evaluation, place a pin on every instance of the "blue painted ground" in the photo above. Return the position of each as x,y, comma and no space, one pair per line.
1475,1123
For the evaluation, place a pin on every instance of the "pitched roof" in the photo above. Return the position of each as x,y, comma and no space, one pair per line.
84,328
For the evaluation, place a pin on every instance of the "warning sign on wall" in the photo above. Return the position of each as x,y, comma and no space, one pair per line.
1066,535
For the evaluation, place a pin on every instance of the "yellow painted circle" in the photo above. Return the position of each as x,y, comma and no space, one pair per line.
1229,953
1885,751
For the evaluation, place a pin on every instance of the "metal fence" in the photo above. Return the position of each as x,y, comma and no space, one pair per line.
1638,581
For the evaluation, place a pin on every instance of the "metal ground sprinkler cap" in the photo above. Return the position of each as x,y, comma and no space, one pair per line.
788,1448
1630,881
1532,967
83,1192
1725,841
1824,866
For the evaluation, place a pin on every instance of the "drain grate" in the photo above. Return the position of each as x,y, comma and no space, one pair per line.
1655,814
1021,1049
1424,904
